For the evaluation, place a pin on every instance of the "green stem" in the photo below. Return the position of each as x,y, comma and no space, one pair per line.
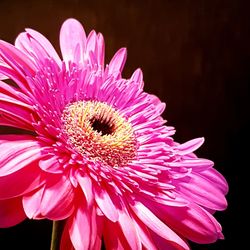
56,234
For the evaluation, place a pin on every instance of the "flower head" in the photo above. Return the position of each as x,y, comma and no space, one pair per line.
96,151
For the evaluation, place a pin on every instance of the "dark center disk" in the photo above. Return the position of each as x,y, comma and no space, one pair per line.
102,126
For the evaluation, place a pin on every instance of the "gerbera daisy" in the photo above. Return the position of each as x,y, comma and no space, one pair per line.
96,152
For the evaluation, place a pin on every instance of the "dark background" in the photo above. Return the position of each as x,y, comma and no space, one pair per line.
195,56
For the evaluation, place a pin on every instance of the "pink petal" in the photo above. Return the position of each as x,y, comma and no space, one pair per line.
100,49
72,35
157,226
21,182
128,229
86,185
200,190
192,222
190,146
65,239
83,228
144,235
51,165
118,61
13,92
57,200
45,43
218,179
11,212
138,77
32,203
198,164
16,109
113,237
106,204
17,154
18,61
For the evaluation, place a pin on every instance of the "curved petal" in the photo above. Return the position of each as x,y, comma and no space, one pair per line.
201,191
43,41
190,146
32,203
193,222
83,227
118,61
21,182
106,204
129,230
157,226
57,199
72,35
17,61
11,212
138,77
216,178
17,152
86,186
19,110
65,243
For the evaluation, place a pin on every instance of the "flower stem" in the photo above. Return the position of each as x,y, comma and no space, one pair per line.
57,229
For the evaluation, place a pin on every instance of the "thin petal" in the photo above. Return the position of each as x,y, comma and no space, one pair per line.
192,222
72,35
157,226
200,190
86,185
32,203
57,200
17,154
45,43
190,146
82,228
106,204
21,182
218,179
65,239
129,230
11,212
118,61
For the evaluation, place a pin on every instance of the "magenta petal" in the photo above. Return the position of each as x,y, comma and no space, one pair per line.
86,185
84,220
71,35
216,178
106,204
57,200
11,212
51,165
65,243
118,61
45,43
144,235
190,146
21,182
192,222
200,190
17,154
32,203
16,59
113,237
129,230
157,226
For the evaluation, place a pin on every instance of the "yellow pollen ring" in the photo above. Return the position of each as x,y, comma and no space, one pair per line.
98,131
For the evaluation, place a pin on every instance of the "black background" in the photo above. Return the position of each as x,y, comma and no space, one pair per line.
195,56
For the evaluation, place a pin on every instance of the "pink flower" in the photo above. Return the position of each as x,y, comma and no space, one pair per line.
95,151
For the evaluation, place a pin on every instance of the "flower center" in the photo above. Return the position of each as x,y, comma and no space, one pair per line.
99,132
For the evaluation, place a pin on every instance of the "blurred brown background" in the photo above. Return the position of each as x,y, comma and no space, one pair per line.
194,54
